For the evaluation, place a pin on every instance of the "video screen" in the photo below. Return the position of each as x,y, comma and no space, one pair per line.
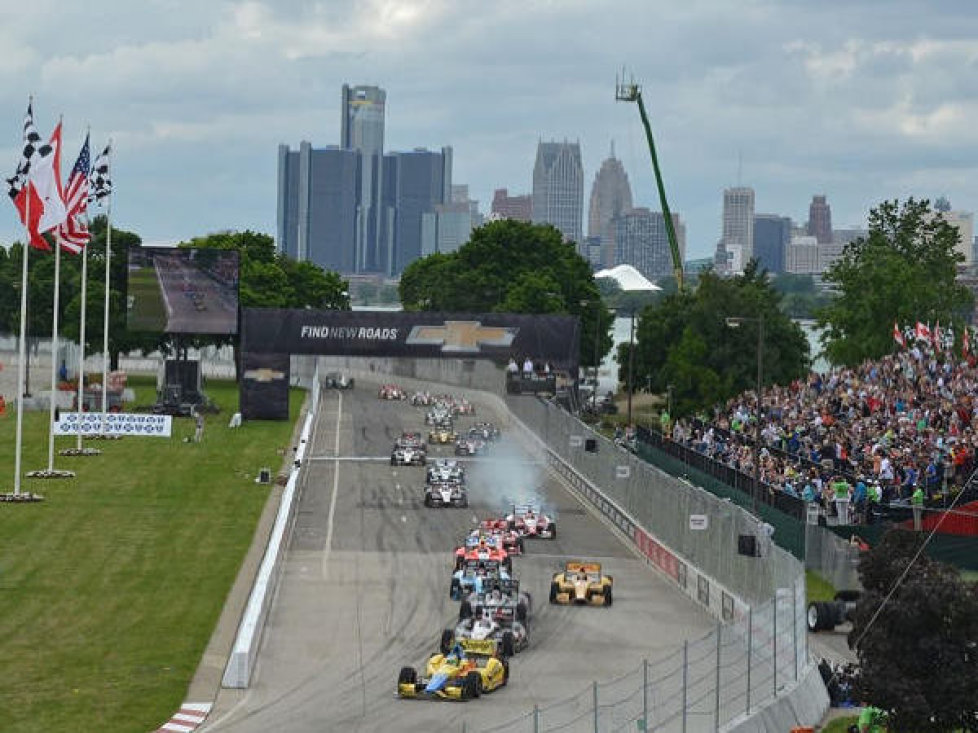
177,290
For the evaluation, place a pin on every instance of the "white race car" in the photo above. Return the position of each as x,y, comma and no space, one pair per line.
528,520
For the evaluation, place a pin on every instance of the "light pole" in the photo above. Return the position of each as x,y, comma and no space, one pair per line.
631,364
597,334
735,323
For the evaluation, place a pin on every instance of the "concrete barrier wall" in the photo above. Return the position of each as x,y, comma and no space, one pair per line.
832,557
244,653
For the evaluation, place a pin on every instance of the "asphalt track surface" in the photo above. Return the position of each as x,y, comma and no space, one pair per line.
365,584
219,312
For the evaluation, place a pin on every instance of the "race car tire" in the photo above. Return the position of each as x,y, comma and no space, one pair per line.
529,602
447,639
819,616
423,460
553,592
464,503
464,610
393,461
519,544
455,589
608,597
459,562
508,564
505,671
427,500
509,644
472,686
521,612
552,528
407,676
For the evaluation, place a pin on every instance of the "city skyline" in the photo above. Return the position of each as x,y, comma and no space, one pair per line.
792,99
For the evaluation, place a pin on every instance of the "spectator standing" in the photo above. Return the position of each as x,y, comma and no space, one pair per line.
840,494
528,367
917,502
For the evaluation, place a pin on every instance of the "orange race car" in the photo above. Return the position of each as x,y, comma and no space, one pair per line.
581,583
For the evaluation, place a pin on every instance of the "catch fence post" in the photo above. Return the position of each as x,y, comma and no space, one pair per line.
645,695
750,644
774,648
536,719
717,707
685,677
794,628
594,687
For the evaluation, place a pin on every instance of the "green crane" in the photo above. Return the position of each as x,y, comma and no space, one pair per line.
631,92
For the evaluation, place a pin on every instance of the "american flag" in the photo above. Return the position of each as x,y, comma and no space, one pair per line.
73,233
100,182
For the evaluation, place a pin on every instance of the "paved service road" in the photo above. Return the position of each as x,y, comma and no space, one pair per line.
365,589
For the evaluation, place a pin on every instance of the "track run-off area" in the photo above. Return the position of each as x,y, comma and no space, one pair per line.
364,589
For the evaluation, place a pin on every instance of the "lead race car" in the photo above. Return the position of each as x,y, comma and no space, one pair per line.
471,667
528,520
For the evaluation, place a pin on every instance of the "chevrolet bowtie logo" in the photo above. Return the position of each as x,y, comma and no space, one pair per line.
264,374
462,336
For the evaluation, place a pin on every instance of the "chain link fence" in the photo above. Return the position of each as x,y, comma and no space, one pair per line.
756,653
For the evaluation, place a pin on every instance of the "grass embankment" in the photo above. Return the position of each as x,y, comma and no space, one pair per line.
110,589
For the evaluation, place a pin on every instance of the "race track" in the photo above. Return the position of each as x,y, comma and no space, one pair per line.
364,589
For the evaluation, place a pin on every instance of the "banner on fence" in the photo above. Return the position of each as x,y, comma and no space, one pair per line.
116,423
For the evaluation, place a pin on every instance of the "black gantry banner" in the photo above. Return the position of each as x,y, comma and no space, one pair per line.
498,336
264,390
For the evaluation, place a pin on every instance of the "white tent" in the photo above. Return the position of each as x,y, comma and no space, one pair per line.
628,278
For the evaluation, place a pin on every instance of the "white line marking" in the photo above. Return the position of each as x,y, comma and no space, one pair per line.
336,483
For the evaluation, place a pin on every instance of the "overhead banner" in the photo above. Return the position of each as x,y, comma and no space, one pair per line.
430,335
116,423
264,390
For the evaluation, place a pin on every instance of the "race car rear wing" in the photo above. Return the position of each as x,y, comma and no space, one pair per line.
478,647
576,566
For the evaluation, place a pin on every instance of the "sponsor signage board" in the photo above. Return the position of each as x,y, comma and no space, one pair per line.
699,521
549,338
623,471
116,423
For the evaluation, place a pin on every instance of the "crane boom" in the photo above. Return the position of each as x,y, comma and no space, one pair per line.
633,93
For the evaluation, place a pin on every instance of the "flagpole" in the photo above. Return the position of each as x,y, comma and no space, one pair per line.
22,356
105,322
81,340
54,351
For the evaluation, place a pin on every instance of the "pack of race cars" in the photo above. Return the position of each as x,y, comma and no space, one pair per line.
494,612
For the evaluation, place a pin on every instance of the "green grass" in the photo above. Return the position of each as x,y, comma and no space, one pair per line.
148,312
110,589
817,588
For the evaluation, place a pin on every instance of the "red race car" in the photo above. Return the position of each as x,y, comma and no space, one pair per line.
482,548
499,528
531,521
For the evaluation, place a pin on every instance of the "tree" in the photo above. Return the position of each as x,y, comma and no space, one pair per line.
684,341
917,654
903,272
512,266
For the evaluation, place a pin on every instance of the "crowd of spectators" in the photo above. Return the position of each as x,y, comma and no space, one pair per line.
903,429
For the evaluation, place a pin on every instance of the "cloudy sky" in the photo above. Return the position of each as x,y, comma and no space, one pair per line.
861,100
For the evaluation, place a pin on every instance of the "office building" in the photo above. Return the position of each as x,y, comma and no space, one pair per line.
641,241
414,183
801,256
611,196
738,225
820,220
558,189
771,235
317,205
504,206
964,222
362,129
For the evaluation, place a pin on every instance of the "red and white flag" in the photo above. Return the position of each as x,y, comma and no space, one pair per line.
898,335
922,332
73,233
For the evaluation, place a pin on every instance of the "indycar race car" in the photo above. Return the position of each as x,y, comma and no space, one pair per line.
421,399
470,445
485,430
501,626
471,667
528,520
409,450
509,539
438,416
445,470
581,583
498,595
480,548
475,576
391,392
338,380
446,494
442,435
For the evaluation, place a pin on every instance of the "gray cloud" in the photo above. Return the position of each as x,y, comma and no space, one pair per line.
857,99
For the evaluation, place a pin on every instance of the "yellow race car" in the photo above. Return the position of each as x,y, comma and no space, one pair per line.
473,666
443,436
582,583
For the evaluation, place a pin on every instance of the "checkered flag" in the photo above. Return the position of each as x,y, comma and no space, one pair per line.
100,184
32,142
